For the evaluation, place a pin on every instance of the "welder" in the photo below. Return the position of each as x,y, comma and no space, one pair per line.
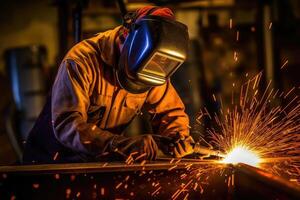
103,82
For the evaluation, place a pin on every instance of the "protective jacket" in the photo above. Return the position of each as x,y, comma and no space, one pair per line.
87,107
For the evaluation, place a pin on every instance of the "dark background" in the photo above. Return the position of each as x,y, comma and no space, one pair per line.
230,41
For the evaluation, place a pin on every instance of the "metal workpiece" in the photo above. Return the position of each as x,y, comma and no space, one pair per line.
165,179
259,183
162,164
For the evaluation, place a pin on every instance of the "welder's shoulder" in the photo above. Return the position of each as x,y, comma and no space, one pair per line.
84,52
95,50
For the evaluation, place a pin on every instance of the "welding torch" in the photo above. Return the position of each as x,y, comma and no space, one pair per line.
167,145
207,151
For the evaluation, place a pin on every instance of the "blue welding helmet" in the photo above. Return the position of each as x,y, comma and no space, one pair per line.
154,48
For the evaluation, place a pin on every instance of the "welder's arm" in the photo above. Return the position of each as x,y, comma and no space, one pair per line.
70,101
168,117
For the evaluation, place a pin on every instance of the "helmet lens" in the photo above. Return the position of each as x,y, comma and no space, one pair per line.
161,65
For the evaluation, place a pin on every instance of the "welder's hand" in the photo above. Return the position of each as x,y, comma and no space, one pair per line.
183,146
143,147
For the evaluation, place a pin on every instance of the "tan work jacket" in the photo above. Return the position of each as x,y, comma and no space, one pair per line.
89,107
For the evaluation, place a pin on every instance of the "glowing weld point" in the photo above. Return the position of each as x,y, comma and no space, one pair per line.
242,155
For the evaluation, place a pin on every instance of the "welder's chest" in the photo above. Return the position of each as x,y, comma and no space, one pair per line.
115,109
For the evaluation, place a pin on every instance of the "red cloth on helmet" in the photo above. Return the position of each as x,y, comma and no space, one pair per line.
160,11
142,12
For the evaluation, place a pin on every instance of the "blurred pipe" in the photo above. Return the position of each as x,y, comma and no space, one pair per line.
268,44
63,24
77,20
122,7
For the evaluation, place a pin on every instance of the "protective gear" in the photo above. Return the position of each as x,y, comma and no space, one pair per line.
131,17
144,146
87,108
155,47
176,145
184,147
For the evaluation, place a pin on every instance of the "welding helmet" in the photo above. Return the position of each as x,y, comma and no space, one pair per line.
154,48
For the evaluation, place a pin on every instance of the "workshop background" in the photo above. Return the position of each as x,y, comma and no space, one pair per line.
230,41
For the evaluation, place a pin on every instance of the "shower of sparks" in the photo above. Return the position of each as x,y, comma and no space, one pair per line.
195,179
266,124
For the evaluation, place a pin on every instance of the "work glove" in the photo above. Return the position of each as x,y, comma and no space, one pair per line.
142,147
175,145
183,146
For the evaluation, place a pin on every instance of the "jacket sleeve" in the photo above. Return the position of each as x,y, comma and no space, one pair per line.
167,111
69,105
